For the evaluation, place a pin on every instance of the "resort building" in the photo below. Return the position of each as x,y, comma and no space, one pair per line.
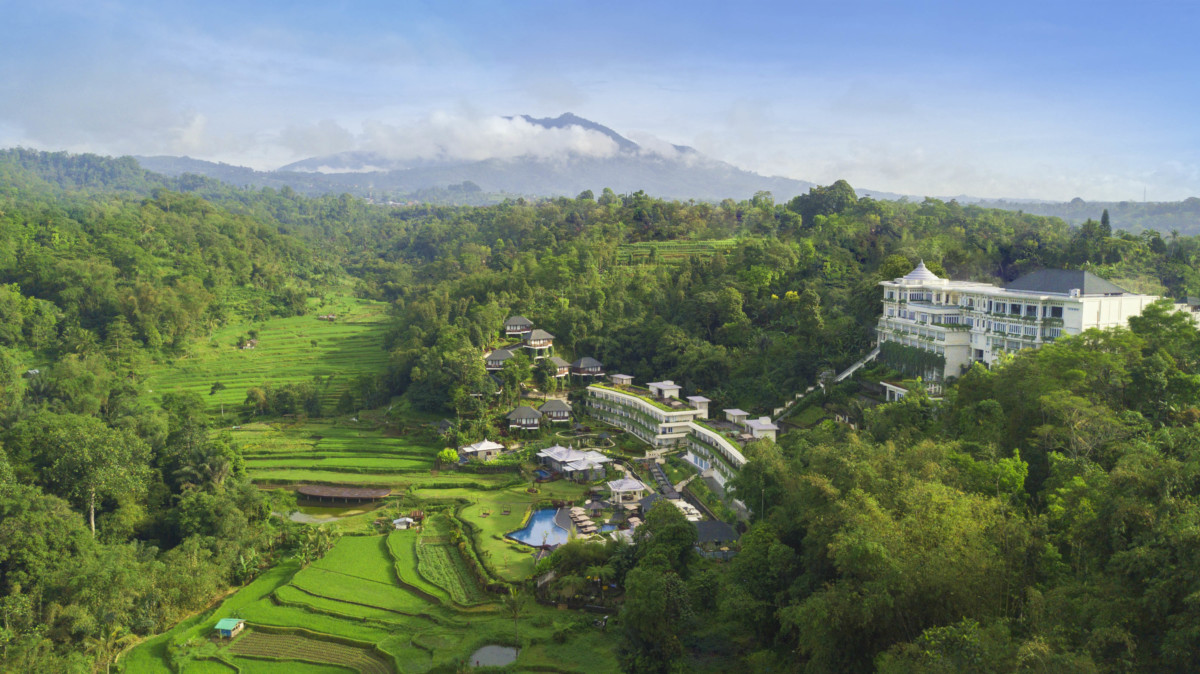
574,463
627,490
524,418
484,450
517,326
539,342
761,427
556,410
957,323
561,367
587,367
496,359
659,418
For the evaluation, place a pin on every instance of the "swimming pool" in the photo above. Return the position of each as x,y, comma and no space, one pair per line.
605,528
541,530
542,474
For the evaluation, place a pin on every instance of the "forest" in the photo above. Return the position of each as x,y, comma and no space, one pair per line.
1042,516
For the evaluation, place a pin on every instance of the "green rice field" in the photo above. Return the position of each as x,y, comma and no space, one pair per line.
289,350
348,612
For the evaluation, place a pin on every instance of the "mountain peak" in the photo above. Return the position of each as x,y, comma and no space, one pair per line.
571,119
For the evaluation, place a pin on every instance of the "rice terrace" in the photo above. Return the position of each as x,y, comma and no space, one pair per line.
426,598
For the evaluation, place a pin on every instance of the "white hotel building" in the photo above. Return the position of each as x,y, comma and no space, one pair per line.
968,322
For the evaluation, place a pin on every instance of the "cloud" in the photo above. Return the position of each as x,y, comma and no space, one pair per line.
445,135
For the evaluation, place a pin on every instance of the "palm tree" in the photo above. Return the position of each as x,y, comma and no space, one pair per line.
205,467
108,645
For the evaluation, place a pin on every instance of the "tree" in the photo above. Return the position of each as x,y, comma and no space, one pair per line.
82,459
447,457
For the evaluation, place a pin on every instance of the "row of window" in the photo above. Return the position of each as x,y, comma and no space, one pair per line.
992,306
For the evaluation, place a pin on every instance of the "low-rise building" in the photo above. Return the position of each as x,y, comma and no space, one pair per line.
561,367
761,427
524,418
627,490
484,450
517,326
574,463
587,367
539,342
556,410
496,359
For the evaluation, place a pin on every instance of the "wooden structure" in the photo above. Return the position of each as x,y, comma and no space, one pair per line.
325,493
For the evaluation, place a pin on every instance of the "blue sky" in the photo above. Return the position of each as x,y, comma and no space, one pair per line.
1038,100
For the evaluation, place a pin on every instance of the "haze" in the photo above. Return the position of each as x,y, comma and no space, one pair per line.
1017,100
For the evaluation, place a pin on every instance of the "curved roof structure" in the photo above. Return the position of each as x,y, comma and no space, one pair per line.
921,273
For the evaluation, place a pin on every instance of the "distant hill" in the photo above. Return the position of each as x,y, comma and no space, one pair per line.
1133,216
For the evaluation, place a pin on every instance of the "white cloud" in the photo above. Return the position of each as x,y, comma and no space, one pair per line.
445,135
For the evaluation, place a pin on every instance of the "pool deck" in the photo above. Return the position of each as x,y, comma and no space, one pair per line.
563,519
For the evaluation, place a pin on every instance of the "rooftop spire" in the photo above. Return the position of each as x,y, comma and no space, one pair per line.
921,273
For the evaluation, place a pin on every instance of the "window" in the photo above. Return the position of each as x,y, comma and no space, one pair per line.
1031,311
1056,312
1052,333
1031,331
1014,309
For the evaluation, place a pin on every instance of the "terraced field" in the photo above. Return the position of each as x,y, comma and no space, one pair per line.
444,566
297,646
349,612
289,350
336,450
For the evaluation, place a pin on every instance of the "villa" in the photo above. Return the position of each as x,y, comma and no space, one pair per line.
496,359
966,322
574,463
587,367
524,418
561,367
556,410
517,326
484,450
539,342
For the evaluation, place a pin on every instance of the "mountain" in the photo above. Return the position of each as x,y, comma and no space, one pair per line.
679,172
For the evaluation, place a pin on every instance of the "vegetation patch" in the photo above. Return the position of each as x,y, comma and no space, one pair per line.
284,646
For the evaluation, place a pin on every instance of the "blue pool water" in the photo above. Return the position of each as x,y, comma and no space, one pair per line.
542,474
605,528
541,530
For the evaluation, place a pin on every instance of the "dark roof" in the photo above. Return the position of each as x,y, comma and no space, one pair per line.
517,321
524,412
554,406
586,361
1062,281
500,354
540,334
559,362
715,531
649,501
342,492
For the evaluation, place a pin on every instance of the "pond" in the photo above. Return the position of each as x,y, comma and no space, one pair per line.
541,530
494,656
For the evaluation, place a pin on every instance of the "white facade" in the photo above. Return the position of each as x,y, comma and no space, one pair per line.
969,322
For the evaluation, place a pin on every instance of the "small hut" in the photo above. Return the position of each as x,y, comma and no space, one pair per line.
228,628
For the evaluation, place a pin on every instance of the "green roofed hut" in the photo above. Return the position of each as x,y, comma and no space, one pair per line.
228,628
